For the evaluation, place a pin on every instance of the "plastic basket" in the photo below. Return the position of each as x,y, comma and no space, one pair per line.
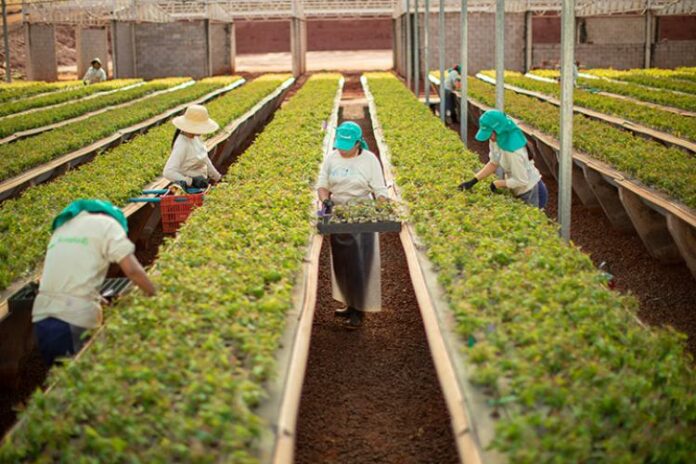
176,209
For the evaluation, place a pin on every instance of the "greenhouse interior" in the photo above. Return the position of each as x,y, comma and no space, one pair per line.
348,231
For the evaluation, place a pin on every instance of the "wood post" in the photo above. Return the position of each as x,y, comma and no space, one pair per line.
685,238
608,198
651,227
583,190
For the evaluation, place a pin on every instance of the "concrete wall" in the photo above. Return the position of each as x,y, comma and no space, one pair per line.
40,40
671,54
172,49
481,41
92,43
221,43
618,56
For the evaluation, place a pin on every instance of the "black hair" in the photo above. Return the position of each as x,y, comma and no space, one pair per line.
176,134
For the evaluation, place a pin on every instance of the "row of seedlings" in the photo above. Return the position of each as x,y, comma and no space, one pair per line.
637,158
57,98
177,377
657,78
46,117
19,90
26,153
571,374
627,89
117,175
666,121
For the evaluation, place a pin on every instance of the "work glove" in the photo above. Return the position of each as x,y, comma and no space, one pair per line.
199,182
328,206
182,184
468,185
494,189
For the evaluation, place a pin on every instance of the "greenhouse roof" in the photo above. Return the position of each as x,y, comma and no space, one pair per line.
102,11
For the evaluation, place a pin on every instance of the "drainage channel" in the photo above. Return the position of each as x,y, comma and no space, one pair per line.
665,293
33,372
372,395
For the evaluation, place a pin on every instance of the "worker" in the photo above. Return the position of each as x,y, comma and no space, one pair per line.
353,173
508,151
95,73
88,235
189,164
453,82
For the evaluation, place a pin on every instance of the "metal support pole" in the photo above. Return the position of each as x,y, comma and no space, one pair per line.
6,36
500,54
648,37
565,165
409,46
464,61
441,40
426,52
529,41
416,50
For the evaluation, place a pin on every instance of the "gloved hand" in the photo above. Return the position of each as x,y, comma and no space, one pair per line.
199,182
494,189
328,205
182,184
468,185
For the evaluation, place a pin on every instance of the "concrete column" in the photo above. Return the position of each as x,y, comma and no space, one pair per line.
233,47
123,50
40,40
91,42
221,43
529,42
649,20
298,46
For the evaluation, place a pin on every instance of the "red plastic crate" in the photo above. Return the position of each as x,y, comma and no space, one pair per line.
176,209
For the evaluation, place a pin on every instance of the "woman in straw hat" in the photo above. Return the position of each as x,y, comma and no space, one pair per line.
188,164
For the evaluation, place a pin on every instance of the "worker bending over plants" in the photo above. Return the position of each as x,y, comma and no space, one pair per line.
188,164
95,74
353,173
88,235
508,151
453,82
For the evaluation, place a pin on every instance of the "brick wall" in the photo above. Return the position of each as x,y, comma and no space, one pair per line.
172,49
220,51
614,30
481,41
92,43
122,43
671,54
619,56
40,40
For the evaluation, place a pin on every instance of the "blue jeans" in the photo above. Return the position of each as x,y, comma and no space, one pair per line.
538,196
57,339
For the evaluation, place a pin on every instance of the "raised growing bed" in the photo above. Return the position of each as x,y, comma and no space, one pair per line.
12,187
653,78
33,89
196,376
57,99
665,127
561,359
17,127
25,221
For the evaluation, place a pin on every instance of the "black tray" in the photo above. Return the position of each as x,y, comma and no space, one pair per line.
358,228
24,298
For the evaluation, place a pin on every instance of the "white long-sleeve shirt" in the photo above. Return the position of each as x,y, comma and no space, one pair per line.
352,178
189,158
94,76
520,173
451,80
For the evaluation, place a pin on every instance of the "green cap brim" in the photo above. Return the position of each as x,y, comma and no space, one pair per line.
344,144
483,134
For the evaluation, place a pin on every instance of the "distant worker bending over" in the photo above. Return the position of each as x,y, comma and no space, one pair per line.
189,164
453,82
95,73
508,151
87,237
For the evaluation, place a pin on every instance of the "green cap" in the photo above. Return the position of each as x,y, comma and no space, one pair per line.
509,137
347,135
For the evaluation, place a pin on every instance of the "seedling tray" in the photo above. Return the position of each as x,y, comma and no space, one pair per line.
358,228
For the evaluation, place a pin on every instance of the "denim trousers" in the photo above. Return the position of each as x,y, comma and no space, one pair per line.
538,196
57,339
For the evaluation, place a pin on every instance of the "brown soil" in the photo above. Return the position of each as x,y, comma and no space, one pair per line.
666,293
372,395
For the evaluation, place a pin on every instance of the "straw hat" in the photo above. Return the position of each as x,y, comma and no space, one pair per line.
195,121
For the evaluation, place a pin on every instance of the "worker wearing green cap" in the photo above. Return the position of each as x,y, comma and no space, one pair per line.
352,173
88,235
508,151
